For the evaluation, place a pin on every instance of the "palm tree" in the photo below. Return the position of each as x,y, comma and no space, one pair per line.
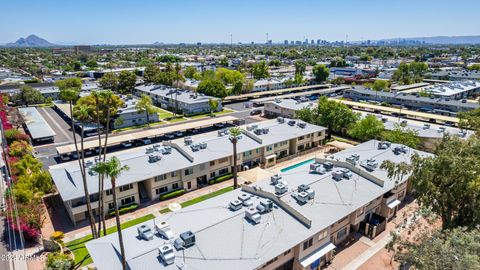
234,136
145,105
70,95
113,169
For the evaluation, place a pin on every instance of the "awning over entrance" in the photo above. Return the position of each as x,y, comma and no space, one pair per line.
271,156
317,254
392,204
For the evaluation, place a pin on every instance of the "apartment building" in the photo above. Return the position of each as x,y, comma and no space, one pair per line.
186,163
169,98
285,107
443,106
293,220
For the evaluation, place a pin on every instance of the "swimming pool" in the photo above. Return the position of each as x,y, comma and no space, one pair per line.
297,165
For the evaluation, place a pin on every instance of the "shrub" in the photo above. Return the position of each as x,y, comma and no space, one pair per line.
220,178
124,209
172,194
19,148
59,261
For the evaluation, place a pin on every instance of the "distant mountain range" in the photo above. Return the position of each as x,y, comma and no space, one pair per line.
30,41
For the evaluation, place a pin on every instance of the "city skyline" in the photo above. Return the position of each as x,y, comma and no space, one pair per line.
215,21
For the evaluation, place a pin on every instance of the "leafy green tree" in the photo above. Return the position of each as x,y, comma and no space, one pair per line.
275,63
452,249
92,64
113,169
28,95
380,85
366,129
213,88
126,81
228,76
300,67
247,86
260,70
208,75
470,120
405,136
447,183
75,83
151,73
76,66
145,105
321,73
334,115
235,133
109,81
190,72
338,62
213,103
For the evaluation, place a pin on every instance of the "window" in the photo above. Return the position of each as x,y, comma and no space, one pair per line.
173,174
319,133
161,190
258,150
322,235
109,192
160,177
308,135
189,185
212,163
307,243
126,187
301,138
175,186
287,252
110,206
248,153
341,233
275,145
212,174
188,171
222,160
127,200
223,171
269,148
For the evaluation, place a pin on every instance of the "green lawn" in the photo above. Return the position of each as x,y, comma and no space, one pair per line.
138,126
223,112
201,198
162,114
78,248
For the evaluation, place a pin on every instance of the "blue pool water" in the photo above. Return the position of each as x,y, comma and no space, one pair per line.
297,165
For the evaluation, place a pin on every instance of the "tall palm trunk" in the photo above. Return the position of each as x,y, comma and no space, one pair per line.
81,163
148,117
104,158
235,180
119,228
101,216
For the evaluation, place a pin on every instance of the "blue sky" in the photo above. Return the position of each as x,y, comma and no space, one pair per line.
147,21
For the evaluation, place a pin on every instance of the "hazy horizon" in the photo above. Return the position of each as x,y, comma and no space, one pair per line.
128,22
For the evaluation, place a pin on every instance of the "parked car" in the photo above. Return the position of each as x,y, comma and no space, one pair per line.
256,112
64,157
169,136
127,144
178,134
219,125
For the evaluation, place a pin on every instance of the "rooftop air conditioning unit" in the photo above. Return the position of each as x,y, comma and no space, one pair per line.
265,130
195,147
347,173
280,189
371,164
235,205
252,215
352,160
265,206
149,150
154,158
337,174
188,238
164,230
317,168
303,187
144,232
245,199
166,150
292,122
188,140
203,145
328,166
301,125
280,120
167,254
426,126
301,197
258,131
383,145
400,149
275,178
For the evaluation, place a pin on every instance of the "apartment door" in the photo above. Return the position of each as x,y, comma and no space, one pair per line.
202,181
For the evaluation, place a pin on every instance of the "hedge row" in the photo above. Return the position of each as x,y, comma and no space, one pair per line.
124,209
171,194
220,178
